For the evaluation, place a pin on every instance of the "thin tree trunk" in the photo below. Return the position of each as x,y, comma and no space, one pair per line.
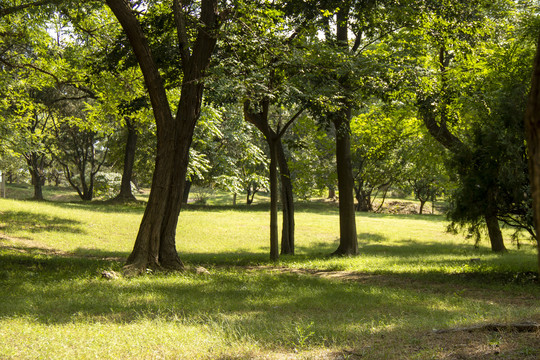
532,126
495,234
187,189
422,203
348,242
129,160
274,243
287,202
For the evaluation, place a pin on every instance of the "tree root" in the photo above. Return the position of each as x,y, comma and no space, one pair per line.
527,326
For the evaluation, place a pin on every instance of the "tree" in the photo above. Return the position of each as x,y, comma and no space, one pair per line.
532,126
196,36
312,148
424,173
23,74
376,137
442,91
258,56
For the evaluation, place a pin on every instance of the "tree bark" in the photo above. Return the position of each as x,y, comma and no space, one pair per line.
155,245
129,160
532,127
348,241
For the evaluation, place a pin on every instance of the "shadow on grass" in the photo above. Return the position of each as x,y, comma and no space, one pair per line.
271,308
17,220
410,248
136,207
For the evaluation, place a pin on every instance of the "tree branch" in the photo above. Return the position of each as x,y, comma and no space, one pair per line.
181,32
290,122
14,9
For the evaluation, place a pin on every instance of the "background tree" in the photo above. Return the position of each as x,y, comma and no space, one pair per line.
457,39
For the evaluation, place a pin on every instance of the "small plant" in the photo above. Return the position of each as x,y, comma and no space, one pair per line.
303,334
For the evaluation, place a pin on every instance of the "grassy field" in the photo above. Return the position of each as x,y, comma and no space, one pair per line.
410,279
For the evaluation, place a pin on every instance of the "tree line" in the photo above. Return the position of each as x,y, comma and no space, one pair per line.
295,97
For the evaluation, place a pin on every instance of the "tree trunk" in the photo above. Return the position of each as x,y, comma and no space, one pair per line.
422,203
187,189
532,126
234,199
331,193
250,195
155,245
287,202
35,167
129,160
348,242
363,199
274,243
495,234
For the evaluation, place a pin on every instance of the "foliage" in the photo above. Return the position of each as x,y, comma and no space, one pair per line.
312,162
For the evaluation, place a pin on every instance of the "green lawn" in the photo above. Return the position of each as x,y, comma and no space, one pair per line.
411,277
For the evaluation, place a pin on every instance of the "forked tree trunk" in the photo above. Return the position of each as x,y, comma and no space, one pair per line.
348,242
532,126
287,202
155,245
129,160
277,156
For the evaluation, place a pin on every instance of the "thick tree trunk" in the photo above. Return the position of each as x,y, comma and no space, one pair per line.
287,202
532,126
155,245
348,242
129,160
274,243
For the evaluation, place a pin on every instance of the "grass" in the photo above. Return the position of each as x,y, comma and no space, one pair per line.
411,277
